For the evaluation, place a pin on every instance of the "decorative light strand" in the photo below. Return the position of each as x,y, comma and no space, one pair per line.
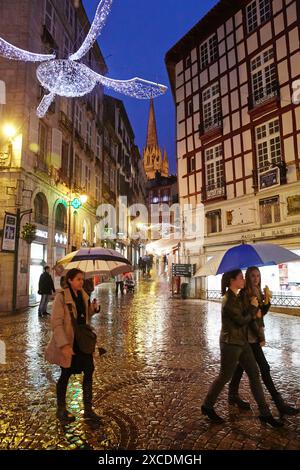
101,15
66,77
136,87
15,53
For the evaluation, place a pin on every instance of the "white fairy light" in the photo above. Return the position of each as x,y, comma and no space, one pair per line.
66,77
15,53
101,15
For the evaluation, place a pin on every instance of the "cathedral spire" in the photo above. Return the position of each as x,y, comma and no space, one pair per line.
152,140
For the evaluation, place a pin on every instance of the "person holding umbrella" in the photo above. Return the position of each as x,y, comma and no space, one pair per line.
71,307
235,348
256,340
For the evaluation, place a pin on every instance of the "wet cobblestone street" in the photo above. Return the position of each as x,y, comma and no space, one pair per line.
162,355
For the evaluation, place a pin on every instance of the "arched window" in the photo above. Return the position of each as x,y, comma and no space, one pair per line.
41,209
61,218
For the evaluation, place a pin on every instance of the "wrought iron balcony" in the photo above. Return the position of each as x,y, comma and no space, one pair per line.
263,95
215,122
214,191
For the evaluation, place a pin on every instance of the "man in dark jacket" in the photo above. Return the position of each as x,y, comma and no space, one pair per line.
46,287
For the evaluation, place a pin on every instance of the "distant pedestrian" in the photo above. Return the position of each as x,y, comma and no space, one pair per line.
119,284
46,289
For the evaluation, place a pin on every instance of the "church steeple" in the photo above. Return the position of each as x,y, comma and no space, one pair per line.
152,140
152,156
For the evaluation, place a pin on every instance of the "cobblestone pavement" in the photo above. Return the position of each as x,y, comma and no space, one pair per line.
162,356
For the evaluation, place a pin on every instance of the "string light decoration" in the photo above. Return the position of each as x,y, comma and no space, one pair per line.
69,78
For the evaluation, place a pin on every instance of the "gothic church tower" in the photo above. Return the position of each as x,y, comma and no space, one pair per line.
153,159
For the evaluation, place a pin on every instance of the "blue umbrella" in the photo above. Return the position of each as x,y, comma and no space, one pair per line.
246,255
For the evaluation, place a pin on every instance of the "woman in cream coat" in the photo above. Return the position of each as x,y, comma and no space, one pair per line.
63,349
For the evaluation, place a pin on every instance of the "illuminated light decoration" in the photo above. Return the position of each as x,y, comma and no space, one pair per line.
66,77
14,53
99,21
76,203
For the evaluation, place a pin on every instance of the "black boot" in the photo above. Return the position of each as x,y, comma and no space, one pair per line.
89,413
211,414
64,416
269,419
284,408
62,413
236,400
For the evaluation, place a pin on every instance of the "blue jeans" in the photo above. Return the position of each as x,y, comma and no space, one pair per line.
44,303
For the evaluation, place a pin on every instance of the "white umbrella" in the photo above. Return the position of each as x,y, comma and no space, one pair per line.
94,261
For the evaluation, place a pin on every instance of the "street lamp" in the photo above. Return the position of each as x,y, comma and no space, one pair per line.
9,131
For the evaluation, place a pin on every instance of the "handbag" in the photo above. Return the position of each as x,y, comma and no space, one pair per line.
85,336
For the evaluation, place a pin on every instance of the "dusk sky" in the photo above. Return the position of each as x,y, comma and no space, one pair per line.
134,42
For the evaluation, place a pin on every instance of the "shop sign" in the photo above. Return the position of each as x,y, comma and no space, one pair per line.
183,270
9,232
41,234
61,238
269,178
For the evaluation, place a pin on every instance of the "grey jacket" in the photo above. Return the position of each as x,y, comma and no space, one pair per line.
235,319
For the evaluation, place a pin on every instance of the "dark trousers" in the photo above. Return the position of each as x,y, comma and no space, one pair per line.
264,370
87,386
121,285
44,303
231,355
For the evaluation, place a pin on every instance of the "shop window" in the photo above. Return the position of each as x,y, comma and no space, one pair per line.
41,209
214,222
61,218
269,210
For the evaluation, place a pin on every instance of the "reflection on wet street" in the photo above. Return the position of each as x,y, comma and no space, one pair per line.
162,354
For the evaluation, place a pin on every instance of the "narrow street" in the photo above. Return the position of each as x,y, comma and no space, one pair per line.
162,354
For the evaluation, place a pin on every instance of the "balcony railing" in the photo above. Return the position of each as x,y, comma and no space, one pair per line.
215,190
279,299
215,122
263,95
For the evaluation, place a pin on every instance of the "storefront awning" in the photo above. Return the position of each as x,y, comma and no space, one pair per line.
163,245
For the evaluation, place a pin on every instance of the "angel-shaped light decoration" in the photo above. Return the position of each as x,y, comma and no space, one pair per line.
69,78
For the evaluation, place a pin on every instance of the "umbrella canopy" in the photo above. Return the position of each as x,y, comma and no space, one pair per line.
243,256
94,261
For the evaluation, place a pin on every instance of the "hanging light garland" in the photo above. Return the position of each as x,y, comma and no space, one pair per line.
66,77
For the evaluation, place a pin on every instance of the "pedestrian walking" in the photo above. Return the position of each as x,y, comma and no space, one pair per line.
119,284
71,310
46,289
235,348
256,339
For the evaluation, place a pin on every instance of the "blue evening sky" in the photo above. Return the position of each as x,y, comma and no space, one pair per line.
134,42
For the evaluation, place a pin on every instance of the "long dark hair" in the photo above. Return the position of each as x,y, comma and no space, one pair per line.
71,274
248,284
226,278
